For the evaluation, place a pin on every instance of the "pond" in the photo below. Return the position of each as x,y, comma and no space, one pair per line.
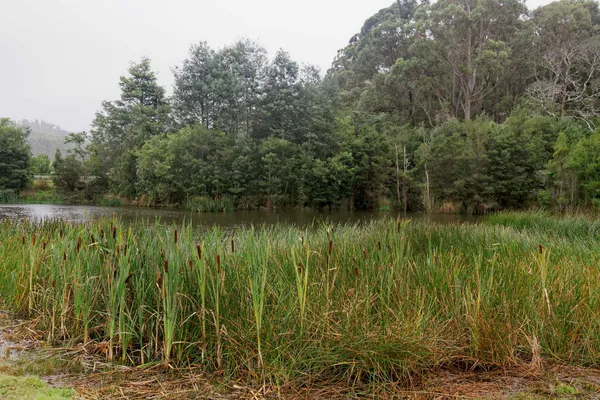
228,220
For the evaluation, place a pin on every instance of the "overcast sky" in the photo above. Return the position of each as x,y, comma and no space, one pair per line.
60,58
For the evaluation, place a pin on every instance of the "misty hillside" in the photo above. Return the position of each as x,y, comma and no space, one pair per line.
45,138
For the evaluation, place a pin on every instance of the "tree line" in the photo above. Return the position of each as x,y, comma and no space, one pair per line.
468,105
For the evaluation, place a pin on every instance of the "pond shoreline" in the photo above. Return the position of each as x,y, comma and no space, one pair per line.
231,219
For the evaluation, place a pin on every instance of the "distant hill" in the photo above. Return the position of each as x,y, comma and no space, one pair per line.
45,138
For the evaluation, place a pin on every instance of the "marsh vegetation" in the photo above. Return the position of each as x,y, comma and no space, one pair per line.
372,302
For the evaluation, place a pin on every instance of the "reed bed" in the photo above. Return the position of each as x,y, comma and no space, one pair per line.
372,302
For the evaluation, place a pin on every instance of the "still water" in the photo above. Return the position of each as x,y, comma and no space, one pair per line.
228,220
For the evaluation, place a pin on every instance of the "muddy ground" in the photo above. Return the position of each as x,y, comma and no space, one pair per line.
29,368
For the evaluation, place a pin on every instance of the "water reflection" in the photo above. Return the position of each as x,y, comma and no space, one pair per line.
130,214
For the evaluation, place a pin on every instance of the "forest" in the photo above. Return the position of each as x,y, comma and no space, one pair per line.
455,106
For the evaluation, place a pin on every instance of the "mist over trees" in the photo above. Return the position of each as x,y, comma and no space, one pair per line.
45,138
468,105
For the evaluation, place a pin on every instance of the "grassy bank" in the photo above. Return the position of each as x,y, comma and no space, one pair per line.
376,302
27,388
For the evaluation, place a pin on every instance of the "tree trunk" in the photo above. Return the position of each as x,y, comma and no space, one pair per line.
427,196
405,183
397,174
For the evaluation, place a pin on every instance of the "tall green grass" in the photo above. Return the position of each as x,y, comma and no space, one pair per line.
368,302
205,204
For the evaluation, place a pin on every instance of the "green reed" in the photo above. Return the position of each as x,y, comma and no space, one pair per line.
375,301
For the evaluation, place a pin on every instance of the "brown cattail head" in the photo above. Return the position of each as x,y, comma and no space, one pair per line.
541,249
64,256
199,251
191,264
23,239
44,246
102,233
114,230
158,278
125,249
117,249
330,248
218,263
33,239
356,271
379,245
78,243
232,246
175,235
61,233
166,266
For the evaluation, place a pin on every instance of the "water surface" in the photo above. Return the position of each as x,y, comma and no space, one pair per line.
131,214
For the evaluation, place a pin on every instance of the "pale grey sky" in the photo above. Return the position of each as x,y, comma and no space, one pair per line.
60,58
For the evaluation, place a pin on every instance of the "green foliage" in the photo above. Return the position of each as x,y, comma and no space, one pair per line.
203,204
68,178
124,125
8,196
469,105
15,156
110,201
41,165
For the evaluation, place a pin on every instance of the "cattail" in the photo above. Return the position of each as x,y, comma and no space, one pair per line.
330,248
218,263
64,256
232,246
199,251
101,233
541,249
78,243
166,266
355,270
117,250
379,245
33,239
114,229
61,233
125,250
44,246
191,264
365,254
175,235
128,277
23,239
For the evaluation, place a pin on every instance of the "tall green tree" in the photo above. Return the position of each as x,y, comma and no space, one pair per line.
15,156
123,126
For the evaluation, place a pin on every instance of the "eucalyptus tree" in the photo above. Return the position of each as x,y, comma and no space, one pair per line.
568,68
